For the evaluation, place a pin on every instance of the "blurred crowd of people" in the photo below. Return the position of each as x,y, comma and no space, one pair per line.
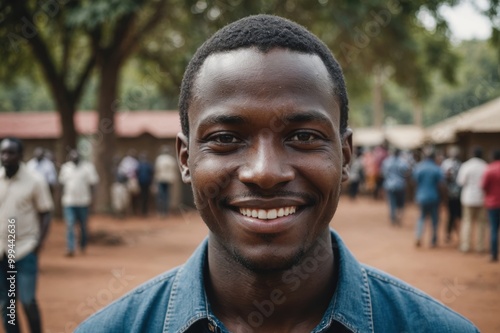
136,180
28,192
469,191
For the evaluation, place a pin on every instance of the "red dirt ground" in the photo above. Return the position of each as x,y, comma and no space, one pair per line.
70,289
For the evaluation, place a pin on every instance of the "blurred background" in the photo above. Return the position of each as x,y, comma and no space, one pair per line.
103,76
95,74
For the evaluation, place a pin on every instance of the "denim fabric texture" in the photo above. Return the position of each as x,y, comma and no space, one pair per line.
494,216
427,176
26,278
396,202
72,216
430,210
366,300
162,198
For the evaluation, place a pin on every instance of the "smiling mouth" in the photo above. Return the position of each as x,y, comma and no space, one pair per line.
268,214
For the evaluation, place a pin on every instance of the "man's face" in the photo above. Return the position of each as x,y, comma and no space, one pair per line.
265,156
38,153
9,154
74,156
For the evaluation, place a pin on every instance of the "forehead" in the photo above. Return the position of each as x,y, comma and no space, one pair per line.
276,66
278,80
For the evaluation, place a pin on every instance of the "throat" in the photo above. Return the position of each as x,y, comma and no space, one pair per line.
292,300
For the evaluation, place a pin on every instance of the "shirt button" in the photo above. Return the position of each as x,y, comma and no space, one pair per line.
211,327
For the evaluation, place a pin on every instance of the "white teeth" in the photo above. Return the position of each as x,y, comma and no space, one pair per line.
272,214
269,214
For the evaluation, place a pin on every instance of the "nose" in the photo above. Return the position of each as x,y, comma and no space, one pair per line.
266,164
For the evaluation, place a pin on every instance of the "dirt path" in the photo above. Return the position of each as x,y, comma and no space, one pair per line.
70,289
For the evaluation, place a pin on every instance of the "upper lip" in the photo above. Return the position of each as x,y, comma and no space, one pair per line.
260,203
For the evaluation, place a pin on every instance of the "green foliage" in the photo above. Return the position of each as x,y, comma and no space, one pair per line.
478,81
92,13
363,35
24,94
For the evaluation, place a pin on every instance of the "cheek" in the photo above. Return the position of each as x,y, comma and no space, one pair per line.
209,180
324,172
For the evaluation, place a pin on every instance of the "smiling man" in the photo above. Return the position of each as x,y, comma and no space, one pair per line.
265,146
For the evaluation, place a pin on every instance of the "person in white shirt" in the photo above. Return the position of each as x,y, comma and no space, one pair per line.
77,177
41,164
25,206
165,172
472,200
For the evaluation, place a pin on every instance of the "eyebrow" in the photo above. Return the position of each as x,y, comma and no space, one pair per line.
300,117
293,118
223,119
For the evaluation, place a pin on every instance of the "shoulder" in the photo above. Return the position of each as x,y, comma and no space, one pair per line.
410,308
138,311
66,165
33,176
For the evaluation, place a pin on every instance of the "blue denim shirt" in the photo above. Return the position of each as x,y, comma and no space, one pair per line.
428,176
366,300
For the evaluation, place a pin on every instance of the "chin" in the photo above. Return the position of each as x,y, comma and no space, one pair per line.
267,263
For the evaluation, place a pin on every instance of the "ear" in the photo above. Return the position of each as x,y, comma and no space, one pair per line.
182,148
346,153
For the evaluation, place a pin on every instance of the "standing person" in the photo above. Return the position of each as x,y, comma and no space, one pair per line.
428,178
450,167
380,153
44,166
120,196
356,174
395,171
128,169
25,205
78,179
165,174
472,200
491,187
145,178
370,167
270,263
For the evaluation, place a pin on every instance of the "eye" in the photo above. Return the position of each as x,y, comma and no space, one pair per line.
224,138
303,137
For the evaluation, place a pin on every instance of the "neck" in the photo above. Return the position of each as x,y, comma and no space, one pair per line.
292,300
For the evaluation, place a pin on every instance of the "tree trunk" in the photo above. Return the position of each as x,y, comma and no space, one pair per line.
104,143
68,131
378,98
418,112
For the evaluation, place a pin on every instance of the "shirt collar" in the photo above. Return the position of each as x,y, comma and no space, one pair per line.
350,305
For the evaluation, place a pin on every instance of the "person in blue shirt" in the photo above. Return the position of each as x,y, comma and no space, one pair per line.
429,180
144,175
395,171
266,147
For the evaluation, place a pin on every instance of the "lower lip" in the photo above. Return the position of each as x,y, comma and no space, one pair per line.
272,226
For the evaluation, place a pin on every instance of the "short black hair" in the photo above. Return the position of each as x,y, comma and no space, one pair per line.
496,155
477,152
18,142
264,32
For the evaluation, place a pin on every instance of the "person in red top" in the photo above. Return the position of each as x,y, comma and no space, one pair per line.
491,187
